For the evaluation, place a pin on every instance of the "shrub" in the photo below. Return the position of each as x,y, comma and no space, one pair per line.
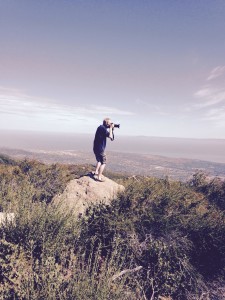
160,238
213,189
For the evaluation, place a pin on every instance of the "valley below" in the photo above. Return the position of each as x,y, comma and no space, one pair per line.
127,163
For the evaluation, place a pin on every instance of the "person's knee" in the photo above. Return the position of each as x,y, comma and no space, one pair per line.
101,158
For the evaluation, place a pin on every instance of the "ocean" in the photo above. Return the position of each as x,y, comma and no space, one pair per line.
203,149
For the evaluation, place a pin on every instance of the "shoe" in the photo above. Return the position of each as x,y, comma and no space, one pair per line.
92,174
100,180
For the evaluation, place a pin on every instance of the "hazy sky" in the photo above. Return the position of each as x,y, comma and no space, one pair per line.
157,67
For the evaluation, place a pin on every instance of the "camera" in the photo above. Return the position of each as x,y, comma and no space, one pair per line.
116,125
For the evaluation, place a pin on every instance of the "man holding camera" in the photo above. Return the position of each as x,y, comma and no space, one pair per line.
101,134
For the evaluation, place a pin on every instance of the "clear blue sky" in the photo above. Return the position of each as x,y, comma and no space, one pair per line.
157,67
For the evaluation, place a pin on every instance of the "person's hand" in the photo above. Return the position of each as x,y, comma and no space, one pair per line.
111,125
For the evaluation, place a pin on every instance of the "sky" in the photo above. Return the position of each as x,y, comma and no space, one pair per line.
156,67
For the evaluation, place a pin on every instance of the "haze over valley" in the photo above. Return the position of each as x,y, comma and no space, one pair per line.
151,156
202,149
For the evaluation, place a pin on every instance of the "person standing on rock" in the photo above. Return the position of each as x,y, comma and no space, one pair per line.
103,131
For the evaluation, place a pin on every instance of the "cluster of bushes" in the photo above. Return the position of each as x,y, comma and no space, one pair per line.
175,233
160,239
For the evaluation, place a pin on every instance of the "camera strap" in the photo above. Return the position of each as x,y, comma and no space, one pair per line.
113,135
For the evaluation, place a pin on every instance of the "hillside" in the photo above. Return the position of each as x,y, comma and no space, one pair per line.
4,159
158,239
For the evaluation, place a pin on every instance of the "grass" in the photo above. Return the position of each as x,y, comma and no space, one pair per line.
171,233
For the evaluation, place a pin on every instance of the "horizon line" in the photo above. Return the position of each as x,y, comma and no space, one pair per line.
88,133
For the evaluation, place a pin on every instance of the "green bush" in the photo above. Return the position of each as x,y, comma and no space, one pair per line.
183,236
160,238
6,160
213,189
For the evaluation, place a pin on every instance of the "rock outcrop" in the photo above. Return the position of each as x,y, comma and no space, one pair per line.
82,192
6,218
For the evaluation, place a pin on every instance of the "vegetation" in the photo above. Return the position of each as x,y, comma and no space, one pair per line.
160,239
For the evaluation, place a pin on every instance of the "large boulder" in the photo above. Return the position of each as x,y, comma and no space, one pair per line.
82,192
7,218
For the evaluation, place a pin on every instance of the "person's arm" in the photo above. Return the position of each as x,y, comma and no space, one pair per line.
111,131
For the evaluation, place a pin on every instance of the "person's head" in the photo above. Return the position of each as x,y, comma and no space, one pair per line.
107,122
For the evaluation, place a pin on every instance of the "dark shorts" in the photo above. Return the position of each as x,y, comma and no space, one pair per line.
100,157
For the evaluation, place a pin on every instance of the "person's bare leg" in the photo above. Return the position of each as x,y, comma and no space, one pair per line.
101,169
97,167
